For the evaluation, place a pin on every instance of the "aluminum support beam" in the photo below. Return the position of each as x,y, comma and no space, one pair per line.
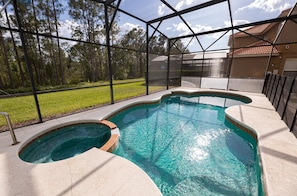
27,59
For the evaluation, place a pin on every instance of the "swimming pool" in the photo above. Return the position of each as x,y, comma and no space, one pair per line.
187,147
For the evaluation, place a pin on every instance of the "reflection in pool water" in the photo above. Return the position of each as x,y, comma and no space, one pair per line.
185,145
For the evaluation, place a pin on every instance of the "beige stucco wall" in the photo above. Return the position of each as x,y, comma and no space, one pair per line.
287,51
249,67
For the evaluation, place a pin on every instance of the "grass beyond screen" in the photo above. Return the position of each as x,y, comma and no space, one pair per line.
23,109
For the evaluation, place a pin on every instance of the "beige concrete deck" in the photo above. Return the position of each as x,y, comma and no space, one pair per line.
96,172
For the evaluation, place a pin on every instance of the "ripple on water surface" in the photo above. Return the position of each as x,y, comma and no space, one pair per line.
186,146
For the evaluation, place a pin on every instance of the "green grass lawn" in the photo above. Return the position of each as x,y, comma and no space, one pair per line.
22,110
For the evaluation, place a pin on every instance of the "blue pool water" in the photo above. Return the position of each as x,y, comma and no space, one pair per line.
65,142
185,145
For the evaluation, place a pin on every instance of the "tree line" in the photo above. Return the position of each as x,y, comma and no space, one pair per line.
56,61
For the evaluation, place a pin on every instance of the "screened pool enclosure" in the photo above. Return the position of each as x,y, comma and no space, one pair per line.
107,51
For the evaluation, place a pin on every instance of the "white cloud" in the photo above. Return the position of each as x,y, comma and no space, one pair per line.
189,2
184,30
201,28
240,22
161,9
128,26
65,28
179,5
235,22
266,5
205,40
181,27
125,28
65,31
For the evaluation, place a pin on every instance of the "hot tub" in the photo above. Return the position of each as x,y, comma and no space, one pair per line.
68,140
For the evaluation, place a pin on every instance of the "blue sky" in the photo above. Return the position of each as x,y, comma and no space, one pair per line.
242,10
215,17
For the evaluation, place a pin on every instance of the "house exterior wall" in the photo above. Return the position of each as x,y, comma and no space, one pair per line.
253,66
277,63
249,67
288,35
286,51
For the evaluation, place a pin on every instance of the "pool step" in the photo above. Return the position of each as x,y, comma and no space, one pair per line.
111,144
113,141
111,125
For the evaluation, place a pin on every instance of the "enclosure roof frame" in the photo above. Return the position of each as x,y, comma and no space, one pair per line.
179,14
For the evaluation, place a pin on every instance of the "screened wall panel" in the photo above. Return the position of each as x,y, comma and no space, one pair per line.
279,91
13,105
285,95
271,86
291,107
284,98
174,79
128,74
157,75
267,84
82,78
215,68
274,88
211,70
192,67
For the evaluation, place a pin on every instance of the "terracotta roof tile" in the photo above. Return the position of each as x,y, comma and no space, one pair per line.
257,49
260,29
255,30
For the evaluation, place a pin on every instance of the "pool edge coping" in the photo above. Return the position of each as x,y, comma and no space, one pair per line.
274,185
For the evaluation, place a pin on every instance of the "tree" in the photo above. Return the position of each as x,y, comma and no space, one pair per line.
56,13
178,47
49,14
134,62
21,72
54,62
39,56
89,17
5,60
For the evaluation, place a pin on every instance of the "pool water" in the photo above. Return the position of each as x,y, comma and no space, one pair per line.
65,142
185,145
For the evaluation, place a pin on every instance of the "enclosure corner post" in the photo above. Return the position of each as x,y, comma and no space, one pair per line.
107,28
27,60
147,60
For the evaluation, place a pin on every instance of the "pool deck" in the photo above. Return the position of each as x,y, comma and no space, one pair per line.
96,172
